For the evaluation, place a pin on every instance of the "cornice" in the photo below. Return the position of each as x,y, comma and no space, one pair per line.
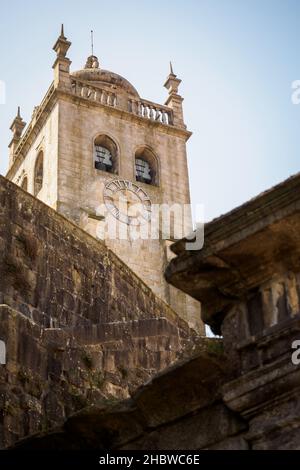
51,98
125,115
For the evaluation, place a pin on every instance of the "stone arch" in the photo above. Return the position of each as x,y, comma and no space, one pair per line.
146,154
38,173
106,153
24,184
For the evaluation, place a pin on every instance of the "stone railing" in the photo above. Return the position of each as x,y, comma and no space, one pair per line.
149,110
90,92
142,108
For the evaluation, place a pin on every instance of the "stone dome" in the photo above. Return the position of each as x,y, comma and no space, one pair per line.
93,73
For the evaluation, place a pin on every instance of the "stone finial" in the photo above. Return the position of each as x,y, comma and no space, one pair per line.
92,62
62,45
171,69
172,83
62,34
16,127
62,63
174,100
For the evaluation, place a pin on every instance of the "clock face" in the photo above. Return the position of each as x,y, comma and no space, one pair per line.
127,202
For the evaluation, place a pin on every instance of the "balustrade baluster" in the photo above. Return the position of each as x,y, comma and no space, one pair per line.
104,97
157,114
151,113
137,107
145,110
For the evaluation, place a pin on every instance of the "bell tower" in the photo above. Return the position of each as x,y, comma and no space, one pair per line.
109,160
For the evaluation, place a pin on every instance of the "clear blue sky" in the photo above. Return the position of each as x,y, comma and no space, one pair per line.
236,58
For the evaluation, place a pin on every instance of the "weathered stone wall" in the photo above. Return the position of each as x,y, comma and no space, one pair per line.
56,274
269,309
78,325
238,392
181,408
205,401
264,387
248,279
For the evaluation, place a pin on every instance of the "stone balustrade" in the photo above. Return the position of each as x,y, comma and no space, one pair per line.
150,110
90,92
142,108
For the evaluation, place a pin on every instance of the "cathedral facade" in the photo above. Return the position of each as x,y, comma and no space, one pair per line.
103,157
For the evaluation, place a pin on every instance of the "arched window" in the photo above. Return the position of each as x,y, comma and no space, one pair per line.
105,154
143,171
146,168
38,173
24,184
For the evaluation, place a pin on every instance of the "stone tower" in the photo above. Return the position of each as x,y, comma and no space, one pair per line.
101,155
